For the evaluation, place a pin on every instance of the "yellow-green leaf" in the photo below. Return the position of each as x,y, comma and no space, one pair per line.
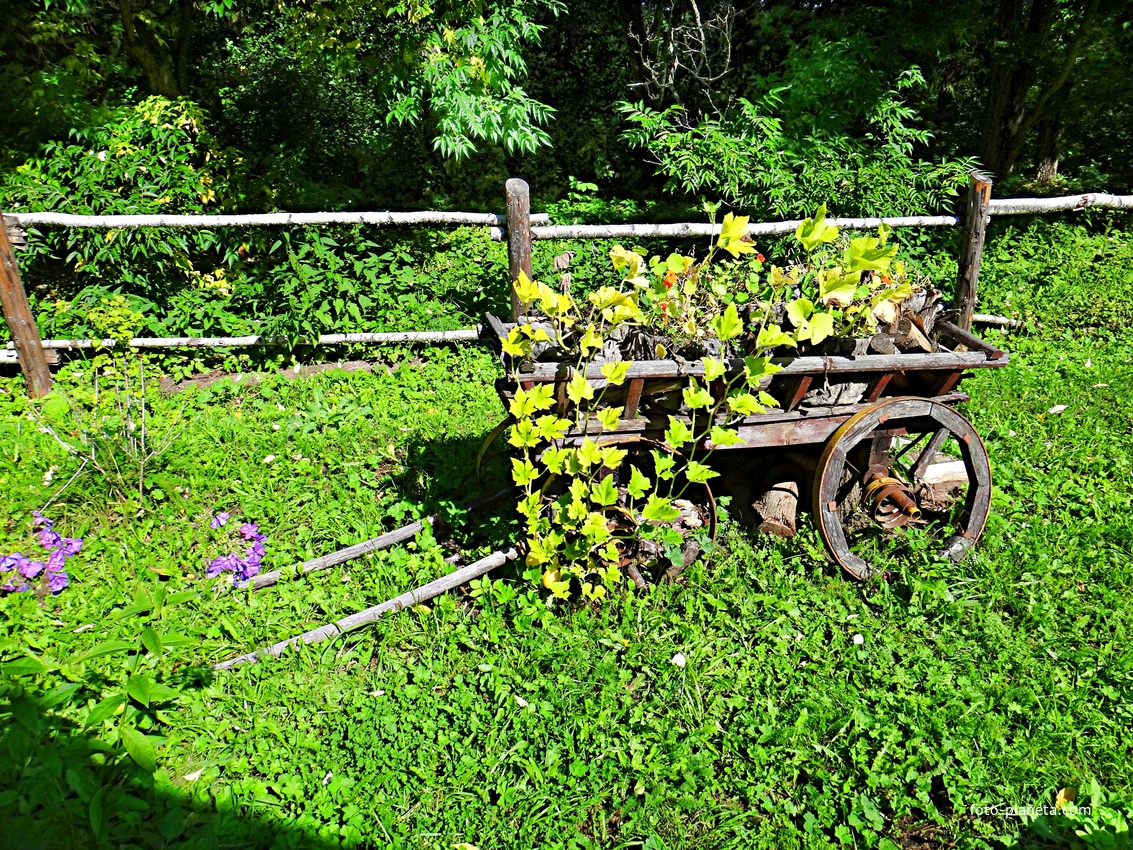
724,436
615,373
604,492
639,484
728,325
696,397
713,368
698,473
579,389
659,509
591,341
610,417
589,454
744,404
815,231
773,336
525,289
678,433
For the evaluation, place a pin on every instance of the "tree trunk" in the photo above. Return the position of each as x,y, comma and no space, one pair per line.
1018,31
1050,139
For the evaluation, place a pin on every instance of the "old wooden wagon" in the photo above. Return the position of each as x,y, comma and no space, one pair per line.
871,435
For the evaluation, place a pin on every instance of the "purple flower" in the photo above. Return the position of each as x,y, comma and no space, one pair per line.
57,581
30,569
12,588
251,568
40,519
250,531
71,546
57,561
219,520
10,562
256,549
49,539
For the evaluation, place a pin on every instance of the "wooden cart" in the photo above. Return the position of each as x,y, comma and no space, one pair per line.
870,427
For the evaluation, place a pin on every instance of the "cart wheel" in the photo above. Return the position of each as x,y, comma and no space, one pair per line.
871,481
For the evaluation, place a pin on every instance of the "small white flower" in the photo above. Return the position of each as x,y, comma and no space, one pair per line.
798,635
102,156
279,406
275,426
859,640
1058,408
194,776
328,778
679,659
1011,433
1089,362
269,458
520,701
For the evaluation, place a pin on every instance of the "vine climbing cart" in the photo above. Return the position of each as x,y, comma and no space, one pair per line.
875,439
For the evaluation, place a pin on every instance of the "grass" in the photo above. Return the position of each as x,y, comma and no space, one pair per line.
495,722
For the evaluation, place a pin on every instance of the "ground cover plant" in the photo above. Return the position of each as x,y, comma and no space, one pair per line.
765,702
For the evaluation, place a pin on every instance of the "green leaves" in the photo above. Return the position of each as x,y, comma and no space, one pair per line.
869,253
678,433
773,336
140,747
727,326
815,231
658,509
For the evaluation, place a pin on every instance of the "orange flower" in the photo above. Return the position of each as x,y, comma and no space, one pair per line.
760,258
670,279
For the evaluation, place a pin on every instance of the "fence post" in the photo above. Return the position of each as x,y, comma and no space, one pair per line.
21,324
975,229
518,238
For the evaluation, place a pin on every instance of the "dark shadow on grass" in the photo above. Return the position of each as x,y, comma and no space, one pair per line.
63,789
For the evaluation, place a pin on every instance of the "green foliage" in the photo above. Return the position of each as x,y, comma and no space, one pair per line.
753,156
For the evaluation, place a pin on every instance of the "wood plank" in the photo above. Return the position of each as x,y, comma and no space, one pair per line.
959,335
877,386
21,323
633,397
518,197
976,218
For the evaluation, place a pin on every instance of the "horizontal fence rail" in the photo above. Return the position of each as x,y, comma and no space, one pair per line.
282,219
1069,203
393,337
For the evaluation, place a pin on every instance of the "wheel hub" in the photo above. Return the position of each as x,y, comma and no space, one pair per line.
891,502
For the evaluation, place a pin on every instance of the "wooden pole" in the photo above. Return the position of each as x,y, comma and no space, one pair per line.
369,615
975,229
21,323
518,237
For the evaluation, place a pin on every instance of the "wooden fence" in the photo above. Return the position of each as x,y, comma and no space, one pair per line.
517,225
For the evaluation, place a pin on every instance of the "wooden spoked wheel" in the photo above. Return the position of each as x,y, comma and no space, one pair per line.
873,480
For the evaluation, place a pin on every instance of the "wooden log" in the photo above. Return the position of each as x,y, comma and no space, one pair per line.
1031,206
21,323
518,238
969,339
998,321
9,356
907,335
975,230
777,508
882,343
387,338
281,219
369,615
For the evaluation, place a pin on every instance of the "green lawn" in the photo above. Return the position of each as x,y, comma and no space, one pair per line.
497,722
